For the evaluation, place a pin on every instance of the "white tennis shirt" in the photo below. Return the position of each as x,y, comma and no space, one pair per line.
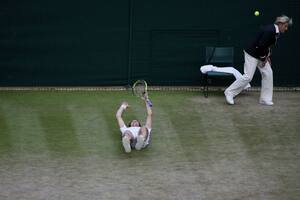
135,132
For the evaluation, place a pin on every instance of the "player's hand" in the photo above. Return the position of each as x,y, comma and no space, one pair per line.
145,97
124,105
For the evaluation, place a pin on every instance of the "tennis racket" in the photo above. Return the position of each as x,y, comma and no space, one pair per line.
139,89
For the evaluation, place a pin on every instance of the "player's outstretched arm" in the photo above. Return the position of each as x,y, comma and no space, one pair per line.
149,113
119,113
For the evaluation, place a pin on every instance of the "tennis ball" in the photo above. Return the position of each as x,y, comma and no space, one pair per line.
256,13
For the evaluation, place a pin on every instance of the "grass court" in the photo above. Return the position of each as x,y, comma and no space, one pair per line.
66,145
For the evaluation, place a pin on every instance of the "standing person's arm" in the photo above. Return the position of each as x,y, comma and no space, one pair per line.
264,46
268,59
119,113
264,43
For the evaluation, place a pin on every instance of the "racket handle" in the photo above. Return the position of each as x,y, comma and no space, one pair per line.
149,103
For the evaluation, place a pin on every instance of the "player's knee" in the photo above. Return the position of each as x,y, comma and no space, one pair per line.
128,134
143,131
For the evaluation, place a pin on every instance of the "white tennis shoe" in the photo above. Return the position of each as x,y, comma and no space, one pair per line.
267,103
126,144
140,142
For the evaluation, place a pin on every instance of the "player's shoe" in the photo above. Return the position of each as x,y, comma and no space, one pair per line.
140,142
126,144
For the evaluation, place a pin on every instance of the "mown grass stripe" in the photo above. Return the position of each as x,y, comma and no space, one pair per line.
25,132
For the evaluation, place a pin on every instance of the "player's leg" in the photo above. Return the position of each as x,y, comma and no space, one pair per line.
266,94
143,134
127,138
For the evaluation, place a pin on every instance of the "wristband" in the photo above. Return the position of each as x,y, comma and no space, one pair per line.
123,106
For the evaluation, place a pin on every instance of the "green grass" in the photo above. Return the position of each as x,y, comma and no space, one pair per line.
66,145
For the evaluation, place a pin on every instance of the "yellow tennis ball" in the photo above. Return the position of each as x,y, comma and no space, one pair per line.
256,13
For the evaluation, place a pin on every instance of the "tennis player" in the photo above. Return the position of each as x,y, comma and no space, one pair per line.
257,55
135,135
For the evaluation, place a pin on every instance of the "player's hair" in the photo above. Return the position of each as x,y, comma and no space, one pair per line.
129,124
284,19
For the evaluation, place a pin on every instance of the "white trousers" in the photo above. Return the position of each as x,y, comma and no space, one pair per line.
266,94
231,70
206,68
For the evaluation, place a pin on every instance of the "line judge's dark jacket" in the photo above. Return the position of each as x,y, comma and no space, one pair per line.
260,47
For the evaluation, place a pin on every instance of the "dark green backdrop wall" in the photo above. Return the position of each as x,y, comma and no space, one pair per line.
92,42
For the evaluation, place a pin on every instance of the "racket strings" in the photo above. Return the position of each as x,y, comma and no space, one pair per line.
139,90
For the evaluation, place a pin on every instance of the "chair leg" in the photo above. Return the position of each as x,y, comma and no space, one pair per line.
205,89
